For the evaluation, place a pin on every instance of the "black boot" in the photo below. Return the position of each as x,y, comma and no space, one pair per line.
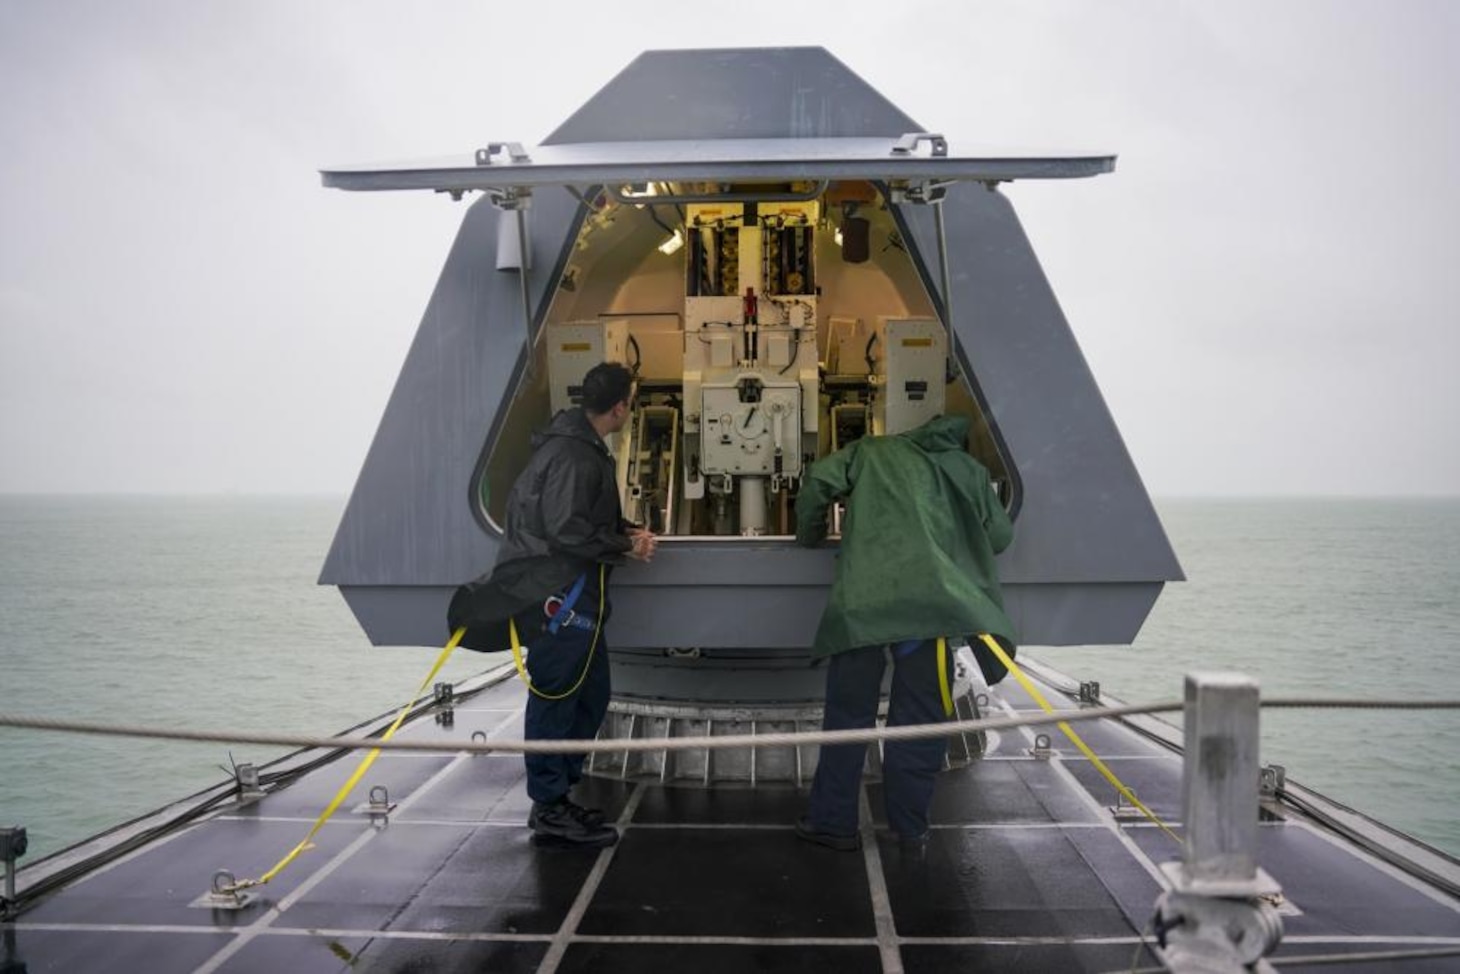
913,848
561,823
808,832
592,817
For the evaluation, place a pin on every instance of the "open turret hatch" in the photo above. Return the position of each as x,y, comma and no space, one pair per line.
767,326
761,290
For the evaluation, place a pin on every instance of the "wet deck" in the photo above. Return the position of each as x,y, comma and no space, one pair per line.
1028,870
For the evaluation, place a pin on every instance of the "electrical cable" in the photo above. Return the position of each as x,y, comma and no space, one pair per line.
795,344
573,191
649,209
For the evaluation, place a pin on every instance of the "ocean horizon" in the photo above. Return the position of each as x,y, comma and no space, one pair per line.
202,610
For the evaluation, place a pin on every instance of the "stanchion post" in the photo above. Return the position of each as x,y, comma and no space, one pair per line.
13,843
1217,916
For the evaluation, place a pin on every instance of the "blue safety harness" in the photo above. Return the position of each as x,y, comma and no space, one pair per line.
564,615
907,647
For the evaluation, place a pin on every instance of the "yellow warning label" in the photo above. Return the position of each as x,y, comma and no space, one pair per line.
577,346
917,343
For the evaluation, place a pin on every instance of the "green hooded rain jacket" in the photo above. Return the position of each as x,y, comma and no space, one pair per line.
921,530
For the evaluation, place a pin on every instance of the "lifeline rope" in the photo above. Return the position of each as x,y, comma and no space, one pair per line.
904,733
908,732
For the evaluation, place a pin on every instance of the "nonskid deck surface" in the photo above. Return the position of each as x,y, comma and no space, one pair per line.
1028,870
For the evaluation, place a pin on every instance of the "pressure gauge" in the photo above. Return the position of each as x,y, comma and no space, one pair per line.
750,421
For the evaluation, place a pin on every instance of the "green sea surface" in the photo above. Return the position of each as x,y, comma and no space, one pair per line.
204,612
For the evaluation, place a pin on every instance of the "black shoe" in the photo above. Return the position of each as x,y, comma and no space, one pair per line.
591,817
913,848
841,843
556,824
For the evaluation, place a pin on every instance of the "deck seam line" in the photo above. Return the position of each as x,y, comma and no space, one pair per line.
245,936
141,850
1137,853
887,945
564,938
730,940
665,826
1359,852
300,891
1017,826
1016,941
242,938
422,755
670,826
1119,725
491,679
446,935
360,819
1073,755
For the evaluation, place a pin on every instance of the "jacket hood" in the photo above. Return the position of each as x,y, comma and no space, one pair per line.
572,423
940,433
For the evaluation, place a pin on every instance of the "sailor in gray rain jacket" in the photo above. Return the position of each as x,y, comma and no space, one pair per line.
549,591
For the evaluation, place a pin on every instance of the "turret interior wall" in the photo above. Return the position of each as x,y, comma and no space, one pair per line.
631,264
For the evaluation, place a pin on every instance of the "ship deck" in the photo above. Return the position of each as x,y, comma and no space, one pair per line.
1028,870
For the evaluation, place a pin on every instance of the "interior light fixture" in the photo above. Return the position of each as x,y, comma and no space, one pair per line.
636,191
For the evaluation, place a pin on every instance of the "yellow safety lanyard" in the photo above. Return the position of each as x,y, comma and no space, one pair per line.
308,841
943,687
1033,691
522,667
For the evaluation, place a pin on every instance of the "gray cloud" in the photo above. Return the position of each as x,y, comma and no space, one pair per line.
1264,288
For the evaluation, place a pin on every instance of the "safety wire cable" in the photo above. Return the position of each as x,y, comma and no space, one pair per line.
137,840
384,741
308,841
1033,691
907,732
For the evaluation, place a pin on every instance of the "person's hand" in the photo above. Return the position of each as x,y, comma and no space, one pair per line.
645,544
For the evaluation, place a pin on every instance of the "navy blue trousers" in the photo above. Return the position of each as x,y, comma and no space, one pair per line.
554,662
909,768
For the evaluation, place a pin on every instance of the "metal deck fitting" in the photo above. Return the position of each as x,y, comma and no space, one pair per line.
1025,871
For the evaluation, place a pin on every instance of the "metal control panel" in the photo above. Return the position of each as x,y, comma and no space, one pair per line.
752,427
913,374
575,347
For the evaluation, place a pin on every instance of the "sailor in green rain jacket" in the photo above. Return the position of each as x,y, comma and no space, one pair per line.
921,530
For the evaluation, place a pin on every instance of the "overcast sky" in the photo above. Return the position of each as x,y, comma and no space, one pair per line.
1266,288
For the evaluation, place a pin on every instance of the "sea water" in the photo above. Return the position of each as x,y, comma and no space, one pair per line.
204,613
1317,598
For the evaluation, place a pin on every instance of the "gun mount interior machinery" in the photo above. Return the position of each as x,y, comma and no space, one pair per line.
764,332
787,261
